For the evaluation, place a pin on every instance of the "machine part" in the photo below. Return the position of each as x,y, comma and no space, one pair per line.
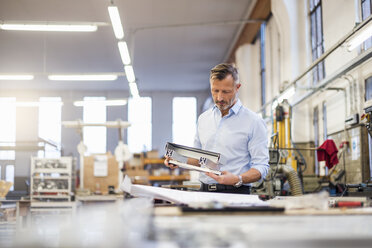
193,167
352,119
279,113
274,156
208,161
367,115
191,152
362,189
293,179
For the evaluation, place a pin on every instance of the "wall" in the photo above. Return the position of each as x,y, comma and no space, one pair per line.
288,55
247,61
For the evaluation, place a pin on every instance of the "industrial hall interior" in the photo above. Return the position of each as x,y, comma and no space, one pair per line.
186,123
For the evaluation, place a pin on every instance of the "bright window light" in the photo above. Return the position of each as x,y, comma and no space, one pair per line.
7,126
98,77
124,52
95,112
119,102
16,77
9,174
360,37
116,22
50,112
50,27
140,132
184,120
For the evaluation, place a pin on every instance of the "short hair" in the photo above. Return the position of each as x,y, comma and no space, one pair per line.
221,71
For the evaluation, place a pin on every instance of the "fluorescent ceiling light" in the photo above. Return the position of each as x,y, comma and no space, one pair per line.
35,104
119,102
115,21
50,27
362,35
130,73
124,52
16,77
133,89
83,77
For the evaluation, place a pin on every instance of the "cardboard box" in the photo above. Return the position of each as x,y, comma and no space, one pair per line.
100,183
152,154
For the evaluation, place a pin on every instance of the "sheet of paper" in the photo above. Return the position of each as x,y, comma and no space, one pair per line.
190,197
100,166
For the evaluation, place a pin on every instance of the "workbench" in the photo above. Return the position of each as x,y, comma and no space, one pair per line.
135,223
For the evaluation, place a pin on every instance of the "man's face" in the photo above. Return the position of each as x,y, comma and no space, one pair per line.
224,93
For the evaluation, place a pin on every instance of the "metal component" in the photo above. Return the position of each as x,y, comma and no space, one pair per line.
193,167
202,161
208,161
212,187
352,120
368,124
193,152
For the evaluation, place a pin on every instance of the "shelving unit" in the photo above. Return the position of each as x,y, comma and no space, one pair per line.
52,179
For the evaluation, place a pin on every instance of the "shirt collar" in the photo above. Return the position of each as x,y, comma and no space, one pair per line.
235,108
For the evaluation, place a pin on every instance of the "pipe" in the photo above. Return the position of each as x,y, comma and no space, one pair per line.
323,57
354,63
293,179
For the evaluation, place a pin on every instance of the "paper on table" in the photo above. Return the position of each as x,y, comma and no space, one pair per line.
190,197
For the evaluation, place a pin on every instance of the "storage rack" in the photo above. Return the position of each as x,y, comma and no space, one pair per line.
51,179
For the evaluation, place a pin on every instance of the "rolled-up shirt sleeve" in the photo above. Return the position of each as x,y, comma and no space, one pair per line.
257,148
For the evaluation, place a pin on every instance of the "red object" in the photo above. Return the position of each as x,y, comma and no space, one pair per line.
328,152
344,143
349,204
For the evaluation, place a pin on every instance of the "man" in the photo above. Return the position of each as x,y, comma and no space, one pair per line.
232,130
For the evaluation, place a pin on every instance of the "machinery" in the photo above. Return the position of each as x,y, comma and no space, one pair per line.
282,177
368,118
362,189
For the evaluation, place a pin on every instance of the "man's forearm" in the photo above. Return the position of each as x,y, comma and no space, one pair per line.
251,176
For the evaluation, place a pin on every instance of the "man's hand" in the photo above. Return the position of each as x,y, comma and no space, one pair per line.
226,178
169,165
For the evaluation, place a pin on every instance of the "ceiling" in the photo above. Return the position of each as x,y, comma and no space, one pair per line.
173,43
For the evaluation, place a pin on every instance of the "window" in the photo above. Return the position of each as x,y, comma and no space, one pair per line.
9,175
368,89
184,120
366,12
140,132
50,111
263,65
95,112
7,126
317,43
